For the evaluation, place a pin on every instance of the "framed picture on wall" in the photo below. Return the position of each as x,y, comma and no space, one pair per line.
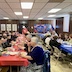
3,27
14,27
8,27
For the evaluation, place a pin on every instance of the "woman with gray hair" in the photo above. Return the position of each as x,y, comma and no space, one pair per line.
25,43
35,57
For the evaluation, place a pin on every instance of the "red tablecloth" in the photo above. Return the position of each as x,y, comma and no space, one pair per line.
13,61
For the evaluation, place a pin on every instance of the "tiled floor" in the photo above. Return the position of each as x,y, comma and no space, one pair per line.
60,66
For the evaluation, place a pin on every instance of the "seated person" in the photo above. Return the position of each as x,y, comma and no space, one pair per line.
47,33
70,37
12,48
0,34
66,37
28,37
25,46
13,36
9,33
54,34
60,38
35,57
53,42
4,37
3,40
69,41
47,40
7,43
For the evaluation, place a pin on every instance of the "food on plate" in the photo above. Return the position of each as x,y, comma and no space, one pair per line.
23,53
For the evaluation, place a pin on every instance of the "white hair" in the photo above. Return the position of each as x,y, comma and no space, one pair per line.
34,39
29,36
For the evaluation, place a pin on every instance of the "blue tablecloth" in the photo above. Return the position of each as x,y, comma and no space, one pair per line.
66,48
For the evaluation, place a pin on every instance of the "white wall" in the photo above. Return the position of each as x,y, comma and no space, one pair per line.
66,23
54,23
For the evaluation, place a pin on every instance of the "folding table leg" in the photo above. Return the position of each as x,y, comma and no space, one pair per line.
10,69
17,68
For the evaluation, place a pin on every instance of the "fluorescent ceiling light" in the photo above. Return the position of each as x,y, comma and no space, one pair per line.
18,13
51,15
25,17
26,5
5,18
54,10
40,18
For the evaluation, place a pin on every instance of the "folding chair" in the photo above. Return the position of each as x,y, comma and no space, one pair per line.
57,53
46,67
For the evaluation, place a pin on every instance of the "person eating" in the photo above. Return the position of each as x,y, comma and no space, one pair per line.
35,57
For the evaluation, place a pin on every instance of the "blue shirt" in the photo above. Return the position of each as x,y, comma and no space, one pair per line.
38,55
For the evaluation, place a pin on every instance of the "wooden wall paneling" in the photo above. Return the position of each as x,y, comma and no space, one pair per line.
70,24
29,24
7,22
59,25
0,25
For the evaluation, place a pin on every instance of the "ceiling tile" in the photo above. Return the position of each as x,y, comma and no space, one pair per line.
38,5
44,10
12,14
45,15
1,11
27,0
41,0
19,17
67,9
37,16
63,5
32,16
33,13
4,5
51,5
35,10
40,13
1,16
5,15
16,9
26,10
8,10
2,1
12,0
26,14
14,5
68,1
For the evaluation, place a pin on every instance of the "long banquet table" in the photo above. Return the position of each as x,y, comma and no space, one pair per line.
13,60
66,48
